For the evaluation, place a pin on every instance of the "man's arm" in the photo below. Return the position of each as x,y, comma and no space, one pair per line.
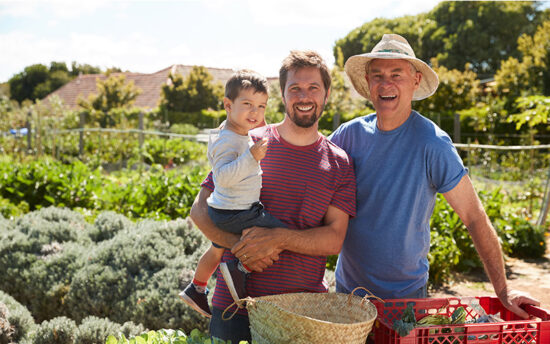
257,243
199,215
465,202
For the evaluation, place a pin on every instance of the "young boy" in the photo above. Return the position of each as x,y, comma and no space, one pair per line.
234,205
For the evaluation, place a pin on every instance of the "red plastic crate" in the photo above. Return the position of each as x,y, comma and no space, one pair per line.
512,330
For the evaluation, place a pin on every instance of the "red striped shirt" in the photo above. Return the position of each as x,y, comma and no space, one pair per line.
298,185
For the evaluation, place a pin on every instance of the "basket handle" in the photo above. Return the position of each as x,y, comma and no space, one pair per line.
240,304
368,295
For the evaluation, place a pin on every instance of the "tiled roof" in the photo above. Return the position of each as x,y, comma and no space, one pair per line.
150,84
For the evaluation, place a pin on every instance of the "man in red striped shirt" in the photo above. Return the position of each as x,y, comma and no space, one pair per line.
308,183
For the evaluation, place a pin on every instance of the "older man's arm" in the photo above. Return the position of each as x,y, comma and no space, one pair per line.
464,200
257,243
199,215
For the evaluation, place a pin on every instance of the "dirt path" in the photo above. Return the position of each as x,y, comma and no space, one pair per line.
532,276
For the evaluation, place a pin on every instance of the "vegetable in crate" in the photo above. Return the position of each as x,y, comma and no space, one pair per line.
407,322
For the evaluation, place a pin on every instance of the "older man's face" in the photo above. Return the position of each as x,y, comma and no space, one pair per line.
392,84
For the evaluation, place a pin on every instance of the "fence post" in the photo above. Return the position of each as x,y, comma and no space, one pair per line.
336,121
140,130
81,139
456,136
29,131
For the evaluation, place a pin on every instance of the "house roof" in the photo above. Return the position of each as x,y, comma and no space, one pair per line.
150,84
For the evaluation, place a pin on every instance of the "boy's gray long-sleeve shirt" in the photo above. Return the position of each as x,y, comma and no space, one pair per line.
236,174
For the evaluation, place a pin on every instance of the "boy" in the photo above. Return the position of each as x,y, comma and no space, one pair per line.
234,205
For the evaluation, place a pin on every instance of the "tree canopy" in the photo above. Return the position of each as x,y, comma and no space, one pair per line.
481,33
195,92
37,81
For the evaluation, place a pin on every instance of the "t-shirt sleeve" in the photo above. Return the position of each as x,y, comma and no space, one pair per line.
344,197
208,182
446,166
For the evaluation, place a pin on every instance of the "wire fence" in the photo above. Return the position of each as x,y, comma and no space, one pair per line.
525,168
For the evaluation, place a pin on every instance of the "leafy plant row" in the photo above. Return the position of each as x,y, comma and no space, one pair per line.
64,270
157,193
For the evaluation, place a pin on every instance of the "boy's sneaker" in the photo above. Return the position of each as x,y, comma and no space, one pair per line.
234,278
197,300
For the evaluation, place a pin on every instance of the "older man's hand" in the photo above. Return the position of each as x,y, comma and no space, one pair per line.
514,299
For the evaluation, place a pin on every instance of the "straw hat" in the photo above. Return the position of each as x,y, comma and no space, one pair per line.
391,46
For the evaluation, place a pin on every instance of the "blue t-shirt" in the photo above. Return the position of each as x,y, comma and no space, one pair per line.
399,174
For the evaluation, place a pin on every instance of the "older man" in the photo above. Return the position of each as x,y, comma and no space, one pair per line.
308,184
402,160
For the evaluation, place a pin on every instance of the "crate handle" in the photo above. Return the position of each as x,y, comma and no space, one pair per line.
541,313
368,295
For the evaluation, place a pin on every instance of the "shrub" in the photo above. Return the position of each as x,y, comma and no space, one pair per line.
38,257
6,329
184,129
16,322
60,330
452,249
10,210
134,276
169,336
107,225
173,152
94,330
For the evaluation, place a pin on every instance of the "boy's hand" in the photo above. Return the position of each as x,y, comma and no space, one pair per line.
259,149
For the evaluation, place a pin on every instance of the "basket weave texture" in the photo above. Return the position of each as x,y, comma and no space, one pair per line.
310,318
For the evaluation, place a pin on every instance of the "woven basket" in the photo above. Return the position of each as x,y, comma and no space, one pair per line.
310,318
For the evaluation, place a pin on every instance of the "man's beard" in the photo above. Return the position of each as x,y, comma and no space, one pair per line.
305,121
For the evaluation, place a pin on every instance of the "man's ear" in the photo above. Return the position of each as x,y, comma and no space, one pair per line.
227,104
328,95
417,79
283,97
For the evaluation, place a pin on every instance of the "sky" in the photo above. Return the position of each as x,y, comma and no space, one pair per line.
147,36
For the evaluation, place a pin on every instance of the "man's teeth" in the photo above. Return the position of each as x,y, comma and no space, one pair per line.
305,108
388,97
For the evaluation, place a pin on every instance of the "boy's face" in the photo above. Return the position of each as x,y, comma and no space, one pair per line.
246,111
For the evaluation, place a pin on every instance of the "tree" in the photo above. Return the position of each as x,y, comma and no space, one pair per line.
37,81
481,33
22,85
77,69
113,92
193,93
456,91
530,75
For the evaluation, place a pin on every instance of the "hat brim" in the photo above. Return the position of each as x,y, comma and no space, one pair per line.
355,68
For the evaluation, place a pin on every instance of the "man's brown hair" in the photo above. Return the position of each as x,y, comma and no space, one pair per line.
300,59
245,79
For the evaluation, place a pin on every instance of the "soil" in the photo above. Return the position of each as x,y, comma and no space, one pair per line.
527,275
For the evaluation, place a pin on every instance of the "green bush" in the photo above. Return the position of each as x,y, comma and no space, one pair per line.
60,330
10,210
16,322
107,225
452,249
134,276
157,193
94,330
168,337
39,254
184,129
172,151
200,119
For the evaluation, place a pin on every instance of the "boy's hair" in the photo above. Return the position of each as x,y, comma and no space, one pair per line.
300,59
245,79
